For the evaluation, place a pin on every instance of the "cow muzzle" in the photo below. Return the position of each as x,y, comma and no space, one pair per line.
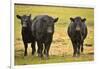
49,30
78,28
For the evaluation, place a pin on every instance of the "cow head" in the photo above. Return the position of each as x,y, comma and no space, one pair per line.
25,20
78,22
50,24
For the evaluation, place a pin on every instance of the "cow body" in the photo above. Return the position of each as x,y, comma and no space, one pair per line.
42,31
77,31
26,32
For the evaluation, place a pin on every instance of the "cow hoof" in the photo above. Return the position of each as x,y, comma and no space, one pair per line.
25,54
78,54
82,53
47,57
74,55
32,53
40,56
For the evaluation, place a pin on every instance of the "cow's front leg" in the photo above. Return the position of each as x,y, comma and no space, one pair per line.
47,48
78,49
74,48
33,47
25,46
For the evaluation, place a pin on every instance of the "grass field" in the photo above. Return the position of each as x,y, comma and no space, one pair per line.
61,48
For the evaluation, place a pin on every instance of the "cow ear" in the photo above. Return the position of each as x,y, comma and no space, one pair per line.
72,19
83,20
56,19
18,16
29,15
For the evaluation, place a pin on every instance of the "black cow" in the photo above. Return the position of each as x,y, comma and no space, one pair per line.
42,30
77,31
26,32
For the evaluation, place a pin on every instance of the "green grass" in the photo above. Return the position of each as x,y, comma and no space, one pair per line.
60,40
53,59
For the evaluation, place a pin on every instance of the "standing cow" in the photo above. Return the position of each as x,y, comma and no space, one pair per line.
42,30
77,31
26,32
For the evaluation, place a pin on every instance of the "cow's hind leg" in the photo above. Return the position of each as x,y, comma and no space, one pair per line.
40,49
25,46
33,47
82,47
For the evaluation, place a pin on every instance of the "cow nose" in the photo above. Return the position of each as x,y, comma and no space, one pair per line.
24,25
49,30
77,28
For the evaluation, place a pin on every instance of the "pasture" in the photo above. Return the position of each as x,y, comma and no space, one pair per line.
61,47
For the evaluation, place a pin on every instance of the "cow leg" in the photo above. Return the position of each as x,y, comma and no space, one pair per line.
82,47
47,48
40,49
25,46
78,49
33,48
74,48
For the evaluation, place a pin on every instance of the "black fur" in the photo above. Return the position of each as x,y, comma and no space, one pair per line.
77,31
42,30
26,32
